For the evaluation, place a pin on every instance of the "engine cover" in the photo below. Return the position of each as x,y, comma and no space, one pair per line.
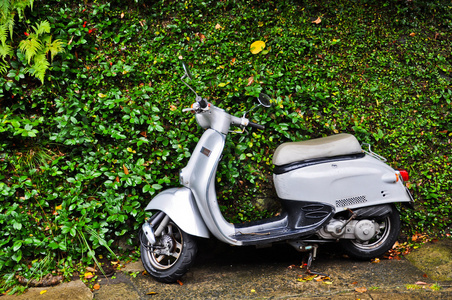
362,230
365,230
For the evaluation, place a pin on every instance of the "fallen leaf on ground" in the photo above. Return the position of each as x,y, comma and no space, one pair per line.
151,293
305,278
421,283
96,286
42,292
361,289
88,275
180,282
375,261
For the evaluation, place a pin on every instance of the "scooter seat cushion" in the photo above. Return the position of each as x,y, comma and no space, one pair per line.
335,145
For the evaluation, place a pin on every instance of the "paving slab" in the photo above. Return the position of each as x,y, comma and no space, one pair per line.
435,258
73,290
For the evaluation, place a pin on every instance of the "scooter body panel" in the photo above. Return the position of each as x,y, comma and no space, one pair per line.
344,184
179,204
199,177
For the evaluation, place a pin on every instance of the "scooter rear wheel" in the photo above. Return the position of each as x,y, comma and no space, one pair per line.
170,257
378,245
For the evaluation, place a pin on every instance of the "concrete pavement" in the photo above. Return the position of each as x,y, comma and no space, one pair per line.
223,272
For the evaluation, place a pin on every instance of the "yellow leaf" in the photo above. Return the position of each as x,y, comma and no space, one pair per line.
151,293
257,47
223,84
253,290
42,292
317,21
58,207
218,26
101,95
88,275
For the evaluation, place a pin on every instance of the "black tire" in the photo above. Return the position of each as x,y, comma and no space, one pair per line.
380,244
179,254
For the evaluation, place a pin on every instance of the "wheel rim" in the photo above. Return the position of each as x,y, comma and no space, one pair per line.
167,248
378,239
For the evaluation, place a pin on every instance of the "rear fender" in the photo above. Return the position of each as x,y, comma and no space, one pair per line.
180,205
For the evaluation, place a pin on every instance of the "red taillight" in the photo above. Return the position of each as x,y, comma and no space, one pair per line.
404,174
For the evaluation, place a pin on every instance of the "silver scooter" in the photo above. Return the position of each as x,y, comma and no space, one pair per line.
329,188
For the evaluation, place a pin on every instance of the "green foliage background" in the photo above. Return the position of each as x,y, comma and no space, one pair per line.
83,153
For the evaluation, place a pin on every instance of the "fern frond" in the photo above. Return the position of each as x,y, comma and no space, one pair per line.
5,50
43,27
54,47
8,23
5,7
3,33
30,47
40,66
21,5
3,68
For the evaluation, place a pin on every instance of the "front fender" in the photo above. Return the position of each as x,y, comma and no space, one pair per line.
180,205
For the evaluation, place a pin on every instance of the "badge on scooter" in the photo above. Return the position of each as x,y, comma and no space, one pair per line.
205,151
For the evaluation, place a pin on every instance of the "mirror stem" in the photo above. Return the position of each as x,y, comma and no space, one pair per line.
182,78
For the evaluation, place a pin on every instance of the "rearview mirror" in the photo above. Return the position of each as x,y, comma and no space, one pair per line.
187,71
264,100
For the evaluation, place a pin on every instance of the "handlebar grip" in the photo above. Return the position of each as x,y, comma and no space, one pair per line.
257,126
203,103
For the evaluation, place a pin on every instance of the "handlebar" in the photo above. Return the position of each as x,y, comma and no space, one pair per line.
219,114
257,126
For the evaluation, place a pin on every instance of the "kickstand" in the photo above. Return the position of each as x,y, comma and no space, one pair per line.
311,257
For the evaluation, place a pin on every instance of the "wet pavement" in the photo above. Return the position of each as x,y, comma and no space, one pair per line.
224,272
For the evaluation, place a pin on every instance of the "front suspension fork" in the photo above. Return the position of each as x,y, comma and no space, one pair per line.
148,226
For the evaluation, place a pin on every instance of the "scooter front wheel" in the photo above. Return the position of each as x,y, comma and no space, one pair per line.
378,245
172,254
